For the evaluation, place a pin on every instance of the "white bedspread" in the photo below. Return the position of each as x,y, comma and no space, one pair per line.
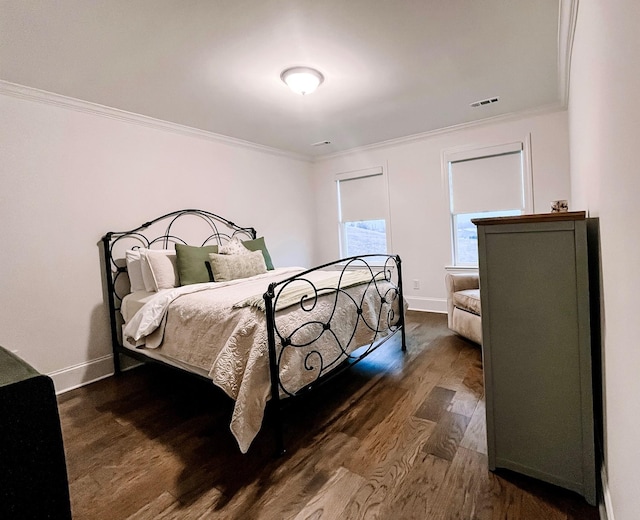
210,327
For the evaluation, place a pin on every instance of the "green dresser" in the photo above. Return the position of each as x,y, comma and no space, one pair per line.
539,346
33,473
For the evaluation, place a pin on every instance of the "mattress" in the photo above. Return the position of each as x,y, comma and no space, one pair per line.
133,302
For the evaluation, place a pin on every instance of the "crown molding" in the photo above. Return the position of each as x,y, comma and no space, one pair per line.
511,116
49,98
567,18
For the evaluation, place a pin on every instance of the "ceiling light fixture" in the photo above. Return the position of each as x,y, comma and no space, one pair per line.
302,80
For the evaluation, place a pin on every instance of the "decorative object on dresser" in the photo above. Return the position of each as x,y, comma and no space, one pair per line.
33,472
463,305
541,346
216,307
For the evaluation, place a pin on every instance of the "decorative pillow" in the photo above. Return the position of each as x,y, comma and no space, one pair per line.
162,264
232,267
193,263
233,247
134,270
258,243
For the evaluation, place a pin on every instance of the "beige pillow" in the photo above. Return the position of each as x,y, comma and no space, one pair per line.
232,267
162,264
233,247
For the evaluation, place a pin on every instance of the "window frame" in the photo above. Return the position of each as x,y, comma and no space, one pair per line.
358,174
468,153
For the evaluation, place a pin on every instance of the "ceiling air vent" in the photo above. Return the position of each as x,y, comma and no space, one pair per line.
321,143
483,102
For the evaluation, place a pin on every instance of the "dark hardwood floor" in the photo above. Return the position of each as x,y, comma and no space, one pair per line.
402,436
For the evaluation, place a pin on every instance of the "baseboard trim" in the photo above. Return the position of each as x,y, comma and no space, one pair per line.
606,506
419,303
83,374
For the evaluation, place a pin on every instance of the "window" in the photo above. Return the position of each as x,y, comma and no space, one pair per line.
363,212
488,182
465,235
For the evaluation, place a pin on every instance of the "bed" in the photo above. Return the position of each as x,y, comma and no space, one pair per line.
195,291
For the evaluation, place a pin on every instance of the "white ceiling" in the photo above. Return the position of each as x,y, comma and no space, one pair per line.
392,68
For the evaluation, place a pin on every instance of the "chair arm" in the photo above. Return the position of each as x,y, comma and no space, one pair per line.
461,282
458,282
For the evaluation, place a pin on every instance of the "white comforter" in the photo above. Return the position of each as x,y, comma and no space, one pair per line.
212,327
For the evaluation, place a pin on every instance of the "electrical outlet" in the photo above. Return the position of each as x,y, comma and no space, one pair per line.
416,284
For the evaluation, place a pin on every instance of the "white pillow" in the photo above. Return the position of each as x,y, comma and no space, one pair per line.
134,269
233,247
161,264
232,267
147,275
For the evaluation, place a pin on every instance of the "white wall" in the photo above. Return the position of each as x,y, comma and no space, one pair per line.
604,116
418,200
69,176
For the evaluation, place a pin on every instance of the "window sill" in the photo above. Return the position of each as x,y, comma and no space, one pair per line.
462,268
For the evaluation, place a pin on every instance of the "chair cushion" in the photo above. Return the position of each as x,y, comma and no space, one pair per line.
468,300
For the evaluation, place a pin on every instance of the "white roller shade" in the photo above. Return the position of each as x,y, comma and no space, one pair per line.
362,198
487,184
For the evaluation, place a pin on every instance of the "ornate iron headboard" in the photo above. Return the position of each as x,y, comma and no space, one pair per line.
186,226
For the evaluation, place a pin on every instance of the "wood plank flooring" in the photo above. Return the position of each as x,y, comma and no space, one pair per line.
402,436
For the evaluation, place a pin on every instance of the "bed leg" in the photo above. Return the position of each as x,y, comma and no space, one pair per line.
278,430
274,370
117,369
401,303
404,339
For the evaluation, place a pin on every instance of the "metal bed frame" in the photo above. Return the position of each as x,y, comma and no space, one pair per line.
161,233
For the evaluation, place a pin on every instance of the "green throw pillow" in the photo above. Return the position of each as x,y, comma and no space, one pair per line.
258,244
192,263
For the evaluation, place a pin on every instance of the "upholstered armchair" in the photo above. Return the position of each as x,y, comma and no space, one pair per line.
463,305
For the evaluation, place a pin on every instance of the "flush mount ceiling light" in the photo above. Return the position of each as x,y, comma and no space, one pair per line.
302,80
